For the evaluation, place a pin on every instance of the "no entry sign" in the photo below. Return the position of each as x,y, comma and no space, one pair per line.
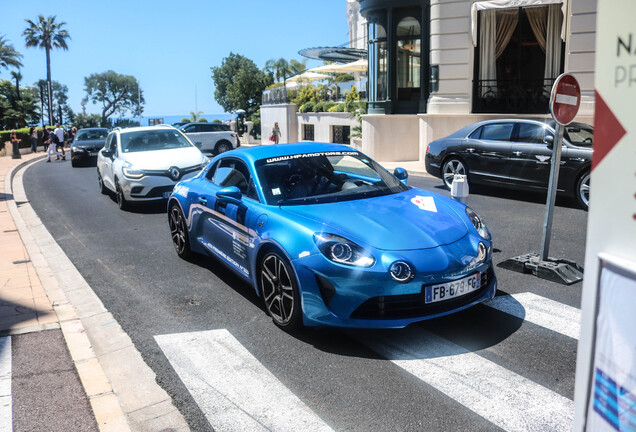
565,99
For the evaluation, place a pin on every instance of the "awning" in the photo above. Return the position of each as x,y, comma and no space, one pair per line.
328,68
308,76
361,65
512,4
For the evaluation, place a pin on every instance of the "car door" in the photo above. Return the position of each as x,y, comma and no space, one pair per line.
227,227
488,150
531,155
106,161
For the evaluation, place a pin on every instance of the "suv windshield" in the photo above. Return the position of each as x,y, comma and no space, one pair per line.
91,135
152,140
324,177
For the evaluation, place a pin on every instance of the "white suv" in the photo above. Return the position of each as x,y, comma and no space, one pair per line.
213,138
144,163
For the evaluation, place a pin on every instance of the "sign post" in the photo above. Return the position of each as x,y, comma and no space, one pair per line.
565,100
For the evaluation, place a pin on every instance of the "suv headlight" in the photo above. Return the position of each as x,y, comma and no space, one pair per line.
478,223
131,172
339,249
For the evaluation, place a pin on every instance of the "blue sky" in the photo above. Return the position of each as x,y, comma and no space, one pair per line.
170,46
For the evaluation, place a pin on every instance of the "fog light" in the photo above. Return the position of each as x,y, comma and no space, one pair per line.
483,252
401,271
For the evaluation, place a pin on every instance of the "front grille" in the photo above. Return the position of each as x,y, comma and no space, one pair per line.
156,192
412,305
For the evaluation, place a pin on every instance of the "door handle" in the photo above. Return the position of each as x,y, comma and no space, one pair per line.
517,153
203,201
470,150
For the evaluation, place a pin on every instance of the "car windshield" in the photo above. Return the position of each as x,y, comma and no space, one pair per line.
91,135
152,140
579,134
324,177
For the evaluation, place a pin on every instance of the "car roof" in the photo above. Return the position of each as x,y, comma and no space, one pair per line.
255,153
466,130
144,128
92,128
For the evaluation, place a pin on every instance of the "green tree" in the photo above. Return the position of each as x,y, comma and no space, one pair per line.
115,92
278,68
239,83
60,108
83,120
17,76
9,57
47,34
194,116
14,112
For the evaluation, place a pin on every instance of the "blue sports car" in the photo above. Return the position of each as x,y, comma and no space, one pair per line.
326,236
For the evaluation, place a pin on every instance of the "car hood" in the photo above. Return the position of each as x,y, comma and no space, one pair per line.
90,144
414,219
164,159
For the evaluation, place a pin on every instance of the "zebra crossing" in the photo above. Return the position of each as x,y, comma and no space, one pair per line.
235,392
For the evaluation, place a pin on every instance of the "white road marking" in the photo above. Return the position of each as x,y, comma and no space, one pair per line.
234,391
541,311
502,397
6,415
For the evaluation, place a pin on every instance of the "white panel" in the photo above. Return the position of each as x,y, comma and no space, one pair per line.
6,413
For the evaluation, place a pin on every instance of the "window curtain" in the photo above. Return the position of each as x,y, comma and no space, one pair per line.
497,27
487,58
546,25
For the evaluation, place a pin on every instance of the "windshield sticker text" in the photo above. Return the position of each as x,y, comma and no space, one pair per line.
311,155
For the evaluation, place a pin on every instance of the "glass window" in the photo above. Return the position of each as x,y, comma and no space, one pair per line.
579,134
341,134
190,129
232,172
308,132
408,59
497,132
476,134
530,133
377,62
162,139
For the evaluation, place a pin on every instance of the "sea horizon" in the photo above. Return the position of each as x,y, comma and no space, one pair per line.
170,119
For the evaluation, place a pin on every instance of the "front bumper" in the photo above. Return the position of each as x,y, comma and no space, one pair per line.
150,188
336,295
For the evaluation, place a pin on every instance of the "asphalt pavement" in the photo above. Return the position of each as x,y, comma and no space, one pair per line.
345,380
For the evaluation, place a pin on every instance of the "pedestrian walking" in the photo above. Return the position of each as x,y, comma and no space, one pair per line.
71,135
33,133
59,132
54,143
45,138
275,133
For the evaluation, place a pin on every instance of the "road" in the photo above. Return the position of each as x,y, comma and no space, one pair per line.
509,365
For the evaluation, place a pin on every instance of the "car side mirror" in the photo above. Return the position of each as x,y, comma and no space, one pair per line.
230,194
107,153
401,174
549,140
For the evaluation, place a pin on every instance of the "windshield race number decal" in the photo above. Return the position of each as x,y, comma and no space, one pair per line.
311,155
425,203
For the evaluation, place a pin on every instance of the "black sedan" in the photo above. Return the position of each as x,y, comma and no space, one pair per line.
86,144
515,153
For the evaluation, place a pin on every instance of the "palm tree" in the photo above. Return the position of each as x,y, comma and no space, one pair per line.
9,57
17,76
296,67
195,116
279,68
47,34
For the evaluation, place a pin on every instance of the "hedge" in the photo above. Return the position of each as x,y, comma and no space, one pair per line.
23,134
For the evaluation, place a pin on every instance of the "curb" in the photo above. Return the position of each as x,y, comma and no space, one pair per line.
120,386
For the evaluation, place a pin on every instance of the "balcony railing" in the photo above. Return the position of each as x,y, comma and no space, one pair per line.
512,97
331,93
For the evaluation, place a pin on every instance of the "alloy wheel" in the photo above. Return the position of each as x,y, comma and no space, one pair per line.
584,190
178,231
278,290
222,147
452,168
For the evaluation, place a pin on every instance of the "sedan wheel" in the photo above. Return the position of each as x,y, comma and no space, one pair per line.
223,146
279,291
179,232
583,191
452,167
121,200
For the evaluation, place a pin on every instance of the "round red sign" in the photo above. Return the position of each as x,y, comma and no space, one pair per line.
565,99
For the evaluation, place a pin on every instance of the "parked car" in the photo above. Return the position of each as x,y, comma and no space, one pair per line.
326,236
214,138
515,153
144,163
86,144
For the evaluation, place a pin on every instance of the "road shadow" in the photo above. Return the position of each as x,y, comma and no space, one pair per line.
150,207
13,314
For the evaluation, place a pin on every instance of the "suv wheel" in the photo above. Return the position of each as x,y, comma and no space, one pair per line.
222,147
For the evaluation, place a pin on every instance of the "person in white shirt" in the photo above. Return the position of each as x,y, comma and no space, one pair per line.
53,142
59,132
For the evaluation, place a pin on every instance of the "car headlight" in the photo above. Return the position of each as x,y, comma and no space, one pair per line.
478,223
339,249
131,172
78,149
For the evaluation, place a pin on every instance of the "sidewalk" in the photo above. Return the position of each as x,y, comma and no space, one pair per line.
56,303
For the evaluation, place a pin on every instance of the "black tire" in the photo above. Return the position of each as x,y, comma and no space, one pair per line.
73,163
102,187
222,146
121,199
279,290
582,191
451,167
179,232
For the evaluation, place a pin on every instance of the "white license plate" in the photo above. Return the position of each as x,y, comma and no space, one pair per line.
449,290
92,153
167,194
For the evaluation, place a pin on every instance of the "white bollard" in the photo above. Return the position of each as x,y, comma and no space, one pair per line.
459,188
